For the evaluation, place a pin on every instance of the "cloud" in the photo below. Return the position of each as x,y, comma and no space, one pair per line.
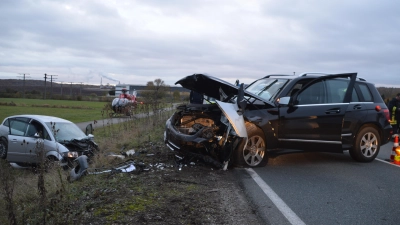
140,41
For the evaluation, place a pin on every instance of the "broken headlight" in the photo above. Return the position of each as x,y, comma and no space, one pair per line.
71,155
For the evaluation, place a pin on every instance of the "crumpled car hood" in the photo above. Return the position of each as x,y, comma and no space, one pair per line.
209,85
78,145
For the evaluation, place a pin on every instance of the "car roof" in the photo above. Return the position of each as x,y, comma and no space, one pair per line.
42,118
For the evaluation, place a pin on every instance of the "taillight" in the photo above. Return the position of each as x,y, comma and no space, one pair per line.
387,114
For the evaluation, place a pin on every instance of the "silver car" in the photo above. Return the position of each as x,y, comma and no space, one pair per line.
22,138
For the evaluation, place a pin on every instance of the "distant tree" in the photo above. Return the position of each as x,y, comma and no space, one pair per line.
155,91
177,96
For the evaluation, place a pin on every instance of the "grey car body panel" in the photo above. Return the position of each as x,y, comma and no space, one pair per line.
237,121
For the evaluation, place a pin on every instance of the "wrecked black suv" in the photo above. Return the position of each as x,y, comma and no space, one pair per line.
279,114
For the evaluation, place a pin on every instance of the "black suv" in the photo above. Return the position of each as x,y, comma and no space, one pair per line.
279,114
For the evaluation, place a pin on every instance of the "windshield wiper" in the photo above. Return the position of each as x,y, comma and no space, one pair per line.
266,87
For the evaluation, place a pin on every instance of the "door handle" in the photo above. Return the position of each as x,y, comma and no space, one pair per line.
330,111
357,107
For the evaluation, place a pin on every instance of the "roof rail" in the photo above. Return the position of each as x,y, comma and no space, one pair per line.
277,75
313,73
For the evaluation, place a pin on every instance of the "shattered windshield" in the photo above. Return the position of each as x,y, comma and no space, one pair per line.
267,88
66,131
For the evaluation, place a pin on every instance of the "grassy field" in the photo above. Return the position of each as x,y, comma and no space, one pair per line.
75,111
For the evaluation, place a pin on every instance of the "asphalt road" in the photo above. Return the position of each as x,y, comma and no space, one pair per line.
325,188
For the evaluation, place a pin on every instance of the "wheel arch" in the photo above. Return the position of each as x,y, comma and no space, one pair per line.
55,154
373,125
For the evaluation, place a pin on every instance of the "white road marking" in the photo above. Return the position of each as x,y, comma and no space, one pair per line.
279,203
381,160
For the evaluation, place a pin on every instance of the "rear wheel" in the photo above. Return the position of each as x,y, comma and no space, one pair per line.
3,148
254,154
366,146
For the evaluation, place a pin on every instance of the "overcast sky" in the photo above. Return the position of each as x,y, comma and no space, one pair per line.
134,42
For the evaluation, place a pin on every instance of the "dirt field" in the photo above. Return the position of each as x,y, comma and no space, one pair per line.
163,194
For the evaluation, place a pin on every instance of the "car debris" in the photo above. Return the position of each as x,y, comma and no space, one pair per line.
82,168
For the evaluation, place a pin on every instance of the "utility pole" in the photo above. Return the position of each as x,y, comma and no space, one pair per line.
51,84
45,79
61,88
24,77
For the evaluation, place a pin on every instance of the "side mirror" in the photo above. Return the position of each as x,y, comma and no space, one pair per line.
89,129
284,100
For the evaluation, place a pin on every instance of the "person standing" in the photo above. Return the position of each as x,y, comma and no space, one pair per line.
196,98
394,110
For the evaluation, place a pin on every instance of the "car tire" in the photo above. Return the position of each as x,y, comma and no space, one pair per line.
3,148
254,154
366,146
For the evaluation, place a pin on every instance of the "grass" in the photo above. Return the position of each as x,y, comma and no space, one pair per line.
75,111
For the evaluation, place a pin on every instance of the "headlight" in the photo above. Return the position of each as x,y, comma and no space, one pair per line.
71,155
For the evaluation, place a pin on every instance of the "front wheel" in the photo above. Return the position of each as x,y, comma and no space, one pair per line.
51,162
366,145
254,154
3,148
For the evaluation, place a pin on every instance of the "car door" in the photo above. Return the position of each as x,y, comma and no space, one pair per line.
18,143
40,140
313,119
26,137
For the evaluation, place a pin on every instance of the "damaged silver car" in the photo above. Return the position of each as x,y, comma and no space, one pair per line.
279,114
23,136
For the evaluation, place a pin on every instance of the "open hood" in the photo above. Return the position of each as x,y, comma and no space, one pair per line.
207,85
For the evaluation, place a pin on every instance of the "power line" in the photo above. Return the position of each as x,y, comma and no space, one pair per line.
24,77
51,83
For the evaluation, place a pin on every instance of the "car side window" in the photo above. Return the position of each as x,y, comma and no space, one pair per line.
314,94
18,127
354,96
365,93
6,122
36,127
336,90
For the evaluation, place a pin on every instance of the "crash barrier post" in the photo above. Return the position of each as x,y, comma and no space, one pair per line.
395,145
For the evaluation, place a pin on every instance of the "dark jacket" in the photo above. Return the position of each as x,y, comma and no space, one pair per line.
394,103
196,97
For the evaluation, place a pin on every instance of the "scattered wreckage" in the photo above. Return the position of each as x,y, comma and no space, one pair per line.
82,167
